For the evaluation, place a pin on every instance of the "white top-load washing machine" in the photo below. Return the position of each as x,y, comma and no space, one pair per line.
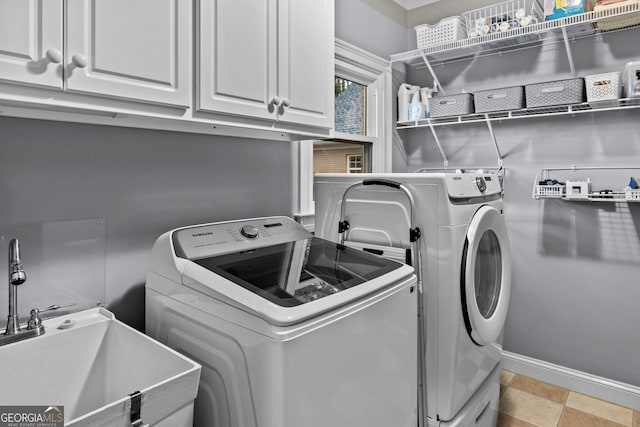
466,275
291,330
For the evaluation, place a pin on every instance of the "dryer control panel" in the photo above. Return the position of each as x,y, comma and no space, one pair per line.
206,240
467,186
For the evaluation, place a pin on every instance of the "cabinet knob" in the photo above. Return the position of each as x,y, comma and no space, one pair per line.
79,61
286,102
54,55
276,101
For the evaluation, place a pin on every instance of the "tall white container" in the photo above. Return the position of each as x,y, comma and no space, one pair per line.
631,77
405,93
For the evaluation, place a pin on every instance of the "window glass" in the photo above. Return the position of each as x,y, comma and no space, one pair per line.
488,274
338,157
354,163
350,107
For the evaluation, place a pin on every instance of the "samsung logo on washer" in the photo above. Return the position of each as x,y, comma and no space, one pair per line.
207,233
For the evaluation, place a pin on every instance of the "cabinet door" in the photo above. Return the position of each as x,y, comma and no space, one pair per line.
138,49
31,42
306,61
237,51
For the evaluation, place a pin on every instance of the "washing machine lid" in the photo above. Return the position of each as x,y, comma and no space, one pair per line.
486,276
291,280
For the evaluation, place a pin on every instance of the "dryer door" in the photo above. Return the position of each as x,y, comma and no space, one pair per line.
486,276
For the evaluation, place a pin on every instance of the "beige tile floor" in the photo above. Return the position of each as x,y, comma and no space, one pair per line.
526,402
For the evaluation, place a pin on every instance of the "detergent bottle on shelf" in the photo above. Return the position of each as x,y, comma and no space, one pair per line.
416,110
425,94
405,95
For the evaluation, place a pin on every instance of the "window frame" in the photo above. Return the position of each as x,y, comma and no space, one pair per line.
355,64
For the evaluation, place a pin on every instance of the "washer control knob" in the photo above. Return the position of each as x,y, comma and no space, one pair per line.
482,184
249,231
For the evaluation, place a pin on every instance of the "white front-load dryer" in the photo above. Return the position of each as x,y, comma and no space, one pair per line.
290,330
466,276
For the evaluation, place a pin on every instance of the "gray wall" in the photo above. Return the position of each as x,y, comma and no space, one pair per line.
575,265
141,183
372,28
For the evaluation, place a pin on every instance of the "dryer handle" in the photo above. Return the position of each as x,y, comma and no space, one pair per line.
384,182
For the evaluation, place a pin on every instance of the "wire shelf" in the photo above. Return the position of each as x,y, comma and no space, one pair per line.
575,26
585,107
560,190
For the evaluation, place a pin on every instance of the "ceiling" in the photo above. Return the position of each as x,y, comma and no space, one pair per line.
412,4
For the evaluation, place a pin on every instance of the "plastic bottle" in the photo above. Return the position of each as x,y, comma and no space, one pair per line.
425,94
405,93
416,108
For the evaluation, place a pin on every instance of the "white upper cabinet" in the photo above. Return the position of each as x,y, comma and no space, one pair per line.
267,59
134,49
137,49
306,51
236,75
31,42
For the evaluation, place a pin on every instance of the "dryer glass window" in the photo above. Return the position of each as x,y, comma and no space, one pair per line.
488,274
299,272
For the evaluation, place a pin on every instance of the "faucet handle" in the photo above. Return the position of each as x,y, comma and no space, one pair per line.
35,321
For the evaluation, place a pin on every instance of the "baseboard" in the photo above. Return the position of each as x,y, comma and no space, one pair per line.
582,382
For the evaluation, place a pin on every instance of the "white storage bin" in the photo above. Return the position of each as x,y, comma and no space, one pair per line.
603,87
502,17
549,191
578,190
632,194
447,30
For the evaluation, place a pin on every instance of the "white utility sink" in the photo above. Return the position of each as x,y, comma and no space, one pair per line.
92,366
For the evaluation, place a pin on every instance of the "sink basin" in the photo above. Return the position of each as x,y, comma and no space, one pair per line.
89,362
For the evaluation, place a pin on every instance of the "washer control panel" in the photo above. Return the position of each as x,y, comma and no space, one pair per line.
466,186
207,240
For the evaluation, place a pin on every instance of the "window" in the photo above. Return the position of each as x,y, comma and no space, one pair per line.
362,137
351,123
354,163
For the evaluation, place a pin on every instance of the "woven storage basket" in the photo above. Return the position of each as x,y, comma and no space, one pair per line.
447,30
453,105
509,98
560,92
603,87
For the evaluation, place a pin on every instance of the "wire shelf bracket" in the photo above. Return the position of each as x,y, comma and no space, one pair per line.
436,83
493,139
435,137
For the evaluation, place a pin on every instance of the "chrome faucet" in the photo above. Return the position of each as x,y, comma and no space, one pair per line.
17,277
